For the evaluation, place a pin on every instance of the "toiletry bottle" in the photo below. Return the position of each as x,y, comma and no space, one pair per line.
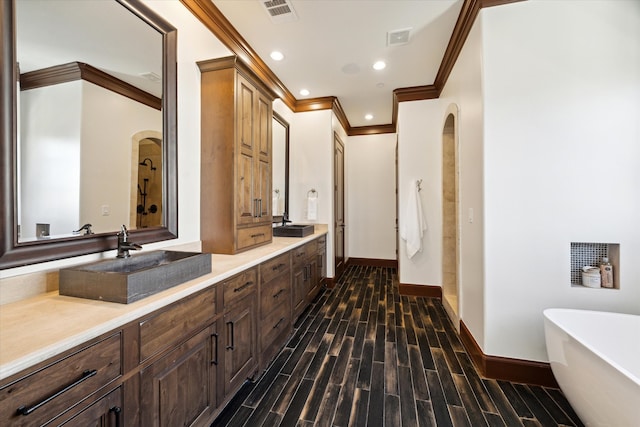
606,273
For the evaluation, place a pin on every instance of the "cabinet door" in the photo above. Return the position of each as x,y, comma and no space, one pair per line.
262,155
313,286
240,361
106,412
179,389
299,291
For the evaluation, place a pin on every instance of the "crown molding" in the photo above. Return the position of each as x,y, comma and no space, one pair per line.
218,24
80,71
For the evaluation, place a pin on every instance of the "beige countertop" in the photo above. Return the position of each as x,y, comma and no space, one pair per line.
37,328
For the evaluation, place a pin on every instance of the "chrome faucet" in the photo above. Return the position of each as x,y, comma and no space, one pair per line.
86,228
124,245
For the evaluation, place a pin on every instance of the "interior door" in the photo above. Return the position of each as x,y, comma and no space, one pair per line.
338,167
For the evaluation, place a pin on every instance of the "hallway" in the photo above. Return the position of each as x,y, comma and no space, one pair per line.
362,355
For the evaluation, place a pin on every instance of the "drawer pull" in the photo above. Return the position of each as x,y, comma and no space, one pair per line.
278,267
116,411
253,236
300,254
277,294
278,324
246,285
215,360
23,410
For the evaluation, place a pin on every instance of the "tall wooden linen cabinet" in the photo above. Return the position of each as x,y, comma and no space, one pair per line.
235,183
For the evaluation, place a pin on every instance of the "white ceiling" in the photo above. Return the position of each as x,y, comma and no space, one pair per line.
330,36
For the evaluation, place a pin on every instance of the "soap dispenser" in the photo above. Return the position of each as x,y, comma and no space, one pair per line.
606,273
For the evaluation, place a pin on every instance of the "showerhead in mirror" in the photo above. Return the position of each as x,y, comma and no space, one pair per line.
144,163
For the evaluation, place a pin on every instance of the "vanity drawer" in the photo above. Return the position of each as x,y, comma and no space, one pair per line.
170,325
274,267
240,286
253,236
275,324
50,391
273,293
302,254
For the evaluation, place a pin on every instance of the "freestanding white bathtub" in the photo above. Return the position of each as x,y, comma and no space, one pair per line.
595,357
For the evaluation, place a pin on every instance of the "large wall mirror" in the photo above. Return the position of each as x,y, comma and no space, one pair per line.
88,127
280,167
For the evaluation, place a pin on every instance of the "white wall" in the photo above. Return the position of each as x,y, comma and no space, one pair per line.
561,160
462,95
370,173
420,157
50,158
311,167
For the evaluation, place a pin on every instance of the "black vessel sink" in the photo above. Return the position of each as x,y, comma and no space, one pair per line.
125,280
293,230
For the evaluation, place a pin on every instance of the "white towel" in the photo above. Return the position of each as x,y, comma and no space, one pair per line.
414,225
312,207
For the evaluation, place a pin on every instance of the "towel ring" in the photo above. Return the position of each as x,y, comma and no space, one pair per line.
419,184
312,191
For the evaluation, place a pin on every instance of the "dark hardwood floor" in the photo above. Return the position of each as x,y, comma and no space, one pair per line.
363,355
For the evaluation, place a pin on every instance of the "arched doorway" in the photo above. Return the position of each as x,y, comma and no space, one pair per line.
450,218
146,180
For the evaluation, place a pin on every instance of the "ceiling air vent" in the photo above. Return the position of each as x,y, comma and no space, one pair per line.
279,10
398,37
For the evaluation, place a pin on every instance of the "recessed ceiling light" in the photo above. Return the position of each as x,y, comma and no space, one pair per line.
380,65
277,56
304,92
368,117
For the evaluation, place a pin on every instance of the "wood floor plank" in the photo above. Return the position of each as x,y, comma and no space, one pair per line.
483,398
391,369
420,388
366,365
407,400
341,362
515,400
550,405
376,396
392,410
293,382
469,401
266,381
459,417
505,409
446,379
297,403
538,410
562,402
438,401
316,397
263,409
345,401
328,408
426,417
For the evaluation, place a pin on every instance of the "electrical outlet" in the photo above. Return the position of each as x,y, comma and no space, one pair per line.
106,210
470,215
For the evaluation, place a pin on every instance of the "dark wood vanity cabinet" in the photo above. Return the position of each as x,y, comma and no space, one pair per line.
306,278
239,330
275,306
106,412
235,189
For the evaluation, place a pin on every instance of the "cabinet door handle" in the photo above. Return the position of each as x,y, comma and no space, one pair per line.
246,285
259,208
278,324
24,410
253,236
215,351
116,412
230,336
277,294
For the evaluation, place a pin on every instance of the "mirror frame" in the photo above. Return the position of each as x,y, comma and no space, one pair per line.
284,124
15,254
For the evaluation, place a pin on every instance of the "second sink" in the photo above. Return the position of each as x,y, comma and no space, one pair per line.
294,230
